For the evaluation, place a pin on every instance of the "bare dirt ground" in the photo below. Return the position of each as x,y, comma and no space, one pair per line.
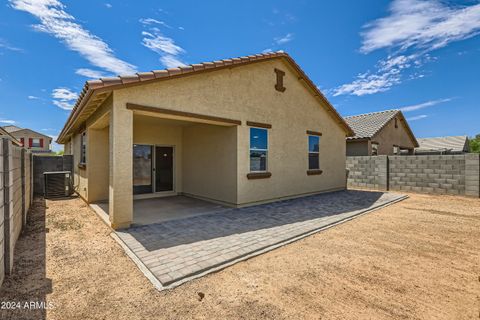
418,259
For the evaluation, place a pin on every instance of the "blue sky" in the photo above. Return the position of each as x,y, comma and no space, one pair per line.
372,55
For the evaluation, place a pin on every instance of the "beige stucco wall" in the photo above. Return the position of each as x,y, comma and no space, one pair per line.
154,131
247,93
210,162
97,163
358,148
390,136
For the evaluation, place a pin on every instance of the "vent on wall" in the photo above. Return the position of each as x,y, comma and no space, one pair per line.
57,184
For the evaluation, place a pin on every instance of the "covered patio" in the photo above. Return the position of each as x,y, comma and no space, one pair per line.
176,160
162,209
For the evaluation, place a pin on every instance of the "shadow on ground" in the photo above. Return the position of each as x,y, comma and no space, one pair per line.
24,291
241,220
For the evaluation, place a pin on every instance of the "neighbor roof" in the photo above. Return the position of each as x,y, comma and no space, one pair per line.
108,84
366,126
4,132
452,143
11,128
15,129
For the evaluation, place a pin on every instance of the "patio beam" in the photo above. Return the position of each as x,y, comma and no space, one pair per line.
182,114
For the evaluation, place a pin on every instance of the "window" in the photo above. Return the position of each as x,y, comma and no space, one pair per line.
396,123
374,149
313,152
83,148
395,150
258,149
36,143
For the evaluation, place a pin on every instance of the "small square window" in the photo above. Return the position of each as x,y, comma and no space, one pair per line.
36,142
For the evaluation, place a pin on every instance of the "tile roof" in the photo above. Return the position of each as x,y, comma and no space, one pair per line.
11,128
452,144
141,77
368,124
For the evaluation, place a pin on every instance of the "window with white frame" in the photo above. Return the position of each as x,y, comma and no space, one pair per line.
83,148
313,152
258,149
395,149
36,143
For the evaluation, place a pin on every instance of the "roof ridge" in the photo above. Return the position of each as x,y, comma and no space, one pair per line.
372,113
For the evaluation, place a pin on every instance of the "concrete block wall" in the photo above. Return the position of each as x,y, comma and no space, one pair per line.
435,174
15,201
368,172
472,175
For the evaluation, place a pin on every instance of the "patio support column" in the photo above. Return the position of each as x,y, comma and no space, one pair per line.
121,181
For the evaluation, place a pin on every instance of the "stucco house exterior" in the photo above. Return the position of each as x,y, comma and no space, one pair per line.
380,133
34,141
238,132
443,145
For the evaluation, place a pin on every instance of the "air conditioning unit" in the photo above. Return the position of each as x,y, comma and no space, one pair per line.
57,184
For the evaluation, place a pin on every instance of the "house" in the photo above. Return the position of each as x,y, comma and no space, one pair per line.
443,145
380,133
4,132
237,132
34,141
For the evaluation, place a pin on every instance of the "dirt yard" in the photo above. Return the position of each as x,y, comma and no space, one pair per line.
418,259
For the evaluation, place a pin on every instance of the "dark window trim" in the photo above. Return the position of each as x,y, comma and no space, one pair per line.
259,125
313,172
258,175
82,165
314,133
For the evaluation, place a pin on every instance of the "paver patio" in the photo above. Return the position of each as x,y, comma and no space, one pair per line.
178,250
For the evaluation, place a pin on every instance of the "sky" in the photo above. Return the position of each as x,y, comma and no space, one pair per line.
422,57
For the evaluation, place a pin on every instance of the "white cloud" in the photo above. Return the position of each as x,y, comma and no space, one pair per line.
108,5
64,98
282,40
150,21
415,118
170,61
89,73
166,47
424,105
56,21
267,50
8,121
425,24
413,26
33,98
367,83
64,94
5,45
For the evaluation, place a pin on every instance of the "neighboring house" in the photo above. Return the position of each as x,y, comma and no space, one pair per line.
380,133
443,145
4,132
32,140
237,131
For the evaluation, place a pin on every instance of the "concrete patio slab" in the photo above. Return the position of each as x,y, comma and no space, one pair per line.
172,252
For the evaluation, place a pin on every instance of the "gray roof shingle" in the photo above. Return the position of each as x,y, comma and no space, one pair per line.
368,124
452,144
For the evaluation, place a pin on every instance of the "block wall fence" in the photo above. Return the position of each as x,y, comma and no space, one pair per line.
433,174
16,198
